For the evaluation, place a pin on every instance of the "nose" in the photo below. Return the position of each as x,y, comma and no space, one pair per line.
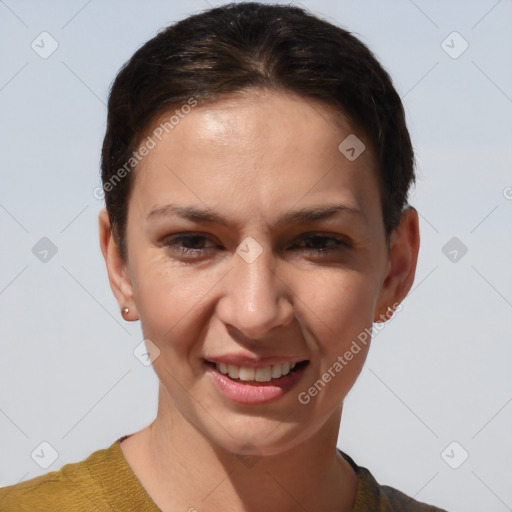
256,298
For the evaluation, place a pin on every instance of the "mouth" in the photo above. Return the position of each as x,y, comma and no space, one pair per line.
257,376
239,384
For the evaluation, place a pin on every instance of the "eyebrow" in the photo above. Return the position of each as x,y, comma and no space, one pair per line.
301,216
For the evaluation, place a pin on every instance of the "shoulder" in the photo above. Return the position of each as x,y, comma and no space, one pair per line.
44,493
382,498
400,502
76,486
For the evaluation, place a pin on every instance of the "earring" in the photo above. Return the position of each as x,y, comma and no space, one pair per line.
125,311
384,317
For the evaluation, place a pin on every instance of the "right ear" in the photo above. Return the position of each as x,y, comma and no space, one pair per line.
116,268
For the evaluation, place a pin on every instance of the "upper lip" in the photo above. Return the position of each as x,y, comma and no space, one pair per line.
253,362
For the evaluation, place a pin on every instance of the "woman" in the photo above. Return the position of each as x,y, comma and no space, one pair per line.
256,167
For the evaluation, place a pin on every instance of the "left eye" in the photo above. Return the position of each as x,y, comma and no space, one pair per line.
323,243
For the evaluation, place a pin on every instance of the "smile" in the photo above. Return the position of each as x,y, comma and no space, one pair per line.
264,374
248,385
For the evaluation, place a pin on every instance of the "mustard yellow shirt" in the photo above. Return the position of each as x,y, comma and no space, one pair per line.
105,482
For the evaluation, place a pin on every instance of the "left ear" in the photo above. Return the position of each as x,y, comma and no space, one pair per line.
403,256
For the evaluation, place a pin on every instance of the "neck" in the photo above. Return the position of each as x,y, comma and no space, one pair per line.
185,471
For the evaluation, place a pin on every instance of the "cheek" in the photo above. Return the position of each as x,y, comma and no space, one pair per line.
163,297
338,307
339,304
172,302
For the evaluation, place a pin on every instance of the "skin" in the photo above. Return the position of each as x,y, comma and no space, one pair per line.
252,158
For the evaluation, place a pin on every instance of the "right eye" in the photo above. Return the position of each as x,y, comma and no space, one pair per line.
187,245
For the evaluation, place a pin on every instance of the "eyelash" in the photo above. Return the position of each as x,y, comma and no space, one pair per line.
173,241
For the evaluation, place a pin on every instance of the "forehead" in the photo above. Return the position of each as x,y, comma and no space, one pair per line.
260,150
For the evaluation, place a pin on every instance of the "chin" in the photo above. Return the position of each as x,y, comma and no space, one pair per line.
255,436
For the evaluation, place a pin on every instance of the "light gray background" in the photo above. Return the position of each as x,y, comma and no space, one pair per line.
439,372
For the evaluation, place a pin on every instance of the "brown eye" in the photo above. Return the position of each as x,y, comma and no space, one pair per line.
192,245
322,243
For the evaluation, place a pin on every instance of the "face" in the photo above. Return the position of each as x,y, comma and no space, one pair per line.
253,241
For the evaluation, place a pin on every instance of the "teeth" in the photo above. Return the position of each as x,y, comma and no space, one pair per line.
246,373
277,371
264,374
233,371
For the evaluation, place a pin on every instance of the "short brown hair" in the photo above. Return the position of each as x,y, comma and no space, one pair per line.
240,46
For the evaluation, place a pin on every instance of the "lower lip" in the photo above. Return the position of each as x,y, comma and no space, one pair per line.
254,392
